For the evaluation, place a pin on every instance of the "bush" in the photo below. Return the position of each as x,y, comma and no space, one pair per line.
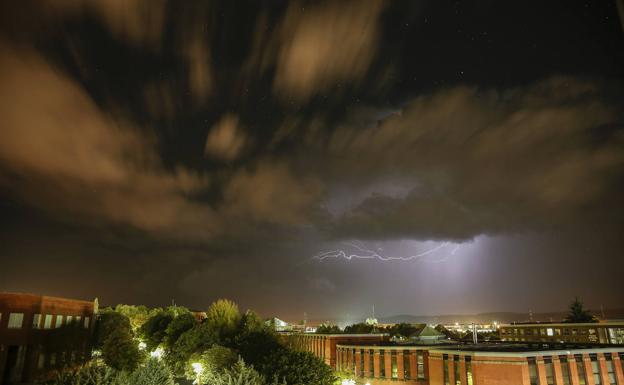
154,372
296,368
214,360
239,374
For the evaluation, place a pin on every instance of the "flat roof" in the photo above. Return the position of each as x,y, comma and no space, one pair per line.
563,324
497,348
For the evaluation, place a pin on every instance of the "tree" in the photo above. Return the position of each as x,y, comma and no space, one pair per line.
214,360
154,330
153,372
120,350
360,328
239,374
328,329
137,315
294,368
578,314
107,322
196,340
178,326
223,316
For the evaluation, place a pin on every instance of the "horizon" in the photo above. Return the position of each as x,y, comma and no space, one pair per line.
314,157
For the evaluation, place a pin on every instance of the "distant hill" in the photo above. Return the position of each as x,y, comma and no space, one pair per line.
501,317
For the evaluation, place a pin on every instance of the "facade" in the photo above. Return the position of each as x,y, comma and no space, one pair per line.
324,345
387,363
39,334
602,332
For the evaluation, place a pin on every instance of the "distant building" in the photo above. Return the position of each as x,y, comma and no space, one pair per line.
602,332
481,364
39,334
324,345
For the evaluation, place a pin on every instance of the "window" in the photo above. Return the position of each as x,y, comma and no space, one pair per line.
86,322
59,321
77,319
456,370
595,369
36,321
53,359
47,322
550,332
41,361
16,320
548,368
393,363
421,364
580,368
468,370
382,364
532,371
361,373
371,363
565,370
610,369
446,371
406,364
69,320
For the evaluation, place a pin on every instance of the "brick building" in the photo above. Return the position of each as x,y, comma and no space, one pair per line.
387,363
324,345
39,334
602,332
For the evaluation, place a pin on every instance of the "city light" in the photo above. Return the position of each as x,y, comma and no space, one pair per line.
348,381
157,353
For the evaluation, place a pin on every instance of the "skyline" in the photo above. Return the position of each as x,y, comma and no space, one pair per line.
318,157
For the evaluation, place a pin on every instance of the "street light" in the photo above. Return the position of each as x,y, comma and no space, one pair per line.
198,368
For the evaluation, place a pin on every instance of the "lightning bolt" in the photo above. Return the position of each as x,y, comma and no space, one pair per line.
371,254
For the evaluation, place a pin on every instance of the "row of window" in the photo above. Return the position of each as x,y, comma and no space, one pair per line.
457,370
580,370
548,331
55,360
44,321
350,363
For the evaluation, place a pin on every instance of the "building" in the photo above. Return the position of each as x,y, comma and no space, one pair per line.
39,334
388,363
601,332
324,345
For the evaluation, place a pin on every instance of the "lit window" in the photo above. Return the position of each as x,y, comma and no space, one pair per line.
456,370
610,369
420,356
595,369
16,320
532,371
41,361
469,370
86,322
406,365
550,332
548,368
393,364
59,321
78,319
580,369
565,370
36,321
47,322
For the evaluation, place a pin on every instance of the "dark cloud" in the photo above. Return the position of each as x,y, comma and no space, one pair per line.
212,148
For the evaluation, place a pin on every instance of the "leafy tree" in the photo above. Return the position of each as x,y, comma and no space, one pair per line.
295,368
360,328
137,315
239,374
578,314
196,340
178,326
120,351
328,329
214,360
154,330
403,330
224,317
254,346
87,375
154,372
109,321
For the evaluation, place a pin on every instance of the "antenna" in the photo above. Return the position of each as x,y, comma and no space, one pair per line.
530,315
373,311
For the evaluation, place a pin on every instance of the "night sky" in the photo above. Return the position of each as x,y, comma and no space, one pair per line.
425,157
